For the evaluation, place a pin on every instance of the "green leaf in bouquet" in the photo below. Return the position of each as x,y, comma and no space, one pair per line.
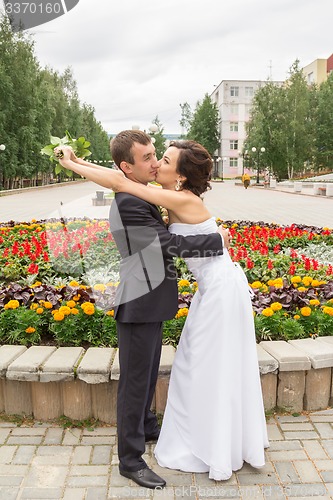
68,172
47,150
86,153
86,144
58,168
55,141
68,135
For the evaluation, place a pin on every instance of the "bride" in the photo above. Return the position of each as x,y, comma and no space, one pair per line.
214,418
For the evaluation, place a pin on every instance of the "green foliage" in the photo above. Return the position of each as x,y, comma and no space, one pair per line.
79,147
20,326
35,104
159,138
282,120
204,126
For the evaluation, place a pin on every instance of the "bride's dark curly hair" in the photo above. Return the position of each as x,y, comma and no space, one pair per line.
194,163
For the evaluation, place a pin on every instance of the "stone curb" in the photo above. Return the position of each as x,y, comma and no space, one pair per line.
47,381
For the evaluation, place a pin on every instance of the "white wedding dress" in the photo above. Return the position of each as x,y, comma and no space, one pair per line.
214,419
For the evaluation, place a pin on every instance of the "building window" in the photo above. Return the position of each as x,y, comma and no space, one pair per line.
234,109
234,144
233,162
234,91
233,126
249,91
310,78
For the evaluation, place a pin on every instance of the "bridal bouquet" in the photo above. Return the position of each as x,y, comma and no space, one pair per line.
79,147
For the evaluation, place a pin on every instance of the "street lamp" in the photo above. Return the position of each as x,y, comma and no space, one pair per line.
246,158
261,150
217,159
2,148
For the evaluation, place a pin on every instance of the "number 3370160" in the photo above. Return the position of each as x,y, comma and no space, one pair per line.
33,8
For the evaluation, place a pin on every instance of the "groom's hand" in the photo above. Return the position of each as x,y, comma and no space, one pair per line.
226,236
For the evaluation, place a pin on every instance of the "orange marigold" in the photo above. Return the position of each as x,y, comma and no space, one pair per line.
306,311
30,329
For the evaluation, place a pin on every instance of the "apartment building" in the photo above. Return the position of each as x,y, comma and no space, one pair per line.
317,71
234,101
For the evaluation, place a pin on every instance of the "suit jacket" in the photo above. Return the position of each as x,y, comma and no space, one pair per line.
148,279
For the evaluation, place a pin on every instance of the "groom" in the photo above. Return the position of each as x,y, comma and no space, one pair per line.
147,296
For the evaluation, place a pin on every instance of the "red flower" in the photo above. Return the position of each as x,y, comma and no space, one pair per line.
33,269
249,263
270,264
292,269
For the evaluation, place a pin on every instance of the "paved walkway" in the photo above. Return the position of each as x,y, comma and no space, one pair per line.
46,461
225,200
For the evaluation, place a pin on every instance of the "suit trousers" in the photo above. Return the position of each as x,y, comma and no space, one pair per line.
140,347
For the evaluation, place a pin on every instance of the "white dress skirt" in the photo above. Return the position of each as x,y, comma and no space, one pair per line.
214,418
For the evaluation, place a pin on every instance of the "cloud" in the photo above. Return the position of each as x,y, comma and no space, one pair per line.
135,60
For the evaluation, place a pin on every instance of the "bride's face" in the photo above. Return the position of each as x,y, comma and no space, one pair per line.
167,168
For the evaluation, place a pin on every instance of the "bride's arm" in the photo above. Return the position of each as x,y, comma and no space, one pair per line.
115,180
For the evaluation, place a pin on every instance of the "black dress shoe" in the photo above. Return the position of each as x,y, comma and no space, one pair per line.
152,437
144,477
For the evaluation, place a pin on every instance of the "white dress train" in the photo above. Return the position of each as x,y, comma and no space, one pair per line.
214,419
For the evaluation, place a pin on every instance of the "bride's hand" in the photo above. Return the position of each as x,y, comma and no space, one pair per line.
64,153
227,238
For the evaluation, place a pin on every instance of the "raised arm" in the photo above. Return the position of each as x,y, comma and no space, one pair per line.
115,180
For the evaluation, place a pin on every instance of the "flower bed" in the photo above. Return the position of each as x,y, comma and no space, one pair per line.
55,285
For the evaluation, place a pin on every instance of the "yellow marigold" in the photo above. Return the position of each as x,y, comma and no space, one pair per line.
39,310
256,284
30,329
110,313
195,285
276,306
270,282
302,289
71,303
314,302
306,311
264,288
315,283
100,287
297,316
328,310
73,283
12,304
33,220
58,316
183,311
37,283
182,283
185,293
307,280
76,297
65,310
267,312
33,306
89,310
296,279
74,311
86,304
331,301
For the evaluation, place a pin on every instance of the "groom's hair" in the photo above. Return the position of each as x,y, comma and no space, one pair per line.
121,145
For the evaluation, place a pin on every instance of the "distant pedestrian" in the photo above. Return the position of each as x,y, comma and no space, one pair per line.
246,180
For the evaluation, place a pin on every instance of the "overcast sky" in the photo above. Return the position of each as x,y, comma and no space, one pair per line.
135,59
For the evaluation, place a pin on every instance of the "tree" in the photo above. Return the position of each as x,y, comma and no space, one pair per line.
282,122
324,125
186,119
205,125
159,138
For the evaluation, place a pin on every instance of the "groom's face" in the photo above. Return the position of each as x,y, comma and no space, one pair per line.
144,166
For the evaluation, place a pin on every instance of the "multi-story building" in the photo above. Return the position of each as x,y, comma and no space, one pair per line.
234,101
317,71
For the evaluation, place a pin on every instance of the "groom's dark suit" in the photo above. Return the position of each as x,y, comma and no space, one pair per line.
146,296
